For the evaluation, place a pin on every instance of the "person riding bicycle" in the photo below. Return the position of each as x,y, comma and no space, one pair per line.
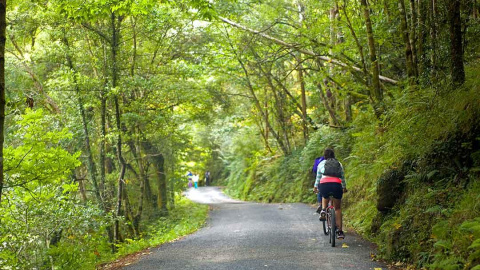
314,174
330,180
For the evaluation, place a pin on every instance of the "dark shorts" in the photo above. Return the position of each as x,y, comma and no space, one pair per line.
331,188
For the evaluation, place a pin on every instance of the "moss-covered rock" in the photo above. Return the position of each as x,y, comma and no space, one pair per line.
390,186
389,189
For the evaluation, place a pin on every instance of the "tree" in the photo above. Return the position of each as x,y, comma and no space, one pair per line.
3,25
377,93
456,48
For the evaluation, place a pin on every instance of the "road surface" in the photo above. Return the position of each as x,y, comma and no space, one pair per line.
241,235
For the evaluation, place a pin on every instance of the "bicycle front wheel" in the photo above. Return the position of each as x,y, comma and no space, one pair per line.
333,230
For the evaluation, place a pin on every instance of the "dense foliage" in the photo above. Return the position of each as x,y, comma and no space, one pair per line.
110,102
413,183
101,96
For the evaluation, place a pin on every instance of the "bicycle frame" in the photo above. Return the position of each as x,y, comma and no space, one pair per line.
331,222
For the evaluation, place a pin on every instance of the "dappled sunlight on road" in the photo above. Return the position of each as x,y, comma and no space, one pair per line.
208,195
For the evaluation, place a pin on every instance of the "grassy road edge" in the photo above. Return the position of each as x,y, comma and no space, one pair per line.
187,218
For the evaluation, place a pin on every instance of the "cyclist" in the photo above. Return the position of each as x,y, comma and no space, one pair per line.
331,180
314,174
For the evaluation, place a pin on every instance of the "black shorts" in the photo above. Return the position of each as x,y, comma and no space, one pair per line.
331,188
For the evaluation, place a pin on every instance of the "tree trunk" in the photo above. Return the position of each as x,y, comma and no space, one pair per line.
261,125
422,36
128,213
3,25
92,171
102,147
103,134
348,109
148,189
331,94
292,98
433,38
333,118
281,119
285,120
114,47
304,99
357,42
121,176
161,183
456,49
387,10
269,76
103,129
406,40
158,162
413,36
134,55
377,93
262,112
171,186
141,173
81,189
475,10
333,33
257,102
278,105
267,145
99,191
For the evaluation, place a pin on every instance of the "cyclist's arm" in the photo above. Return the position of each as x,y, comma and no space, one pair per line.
320,170
344,183
317,180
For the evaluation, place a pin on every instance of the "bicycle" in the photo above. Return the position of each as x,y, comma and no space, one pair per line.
330,225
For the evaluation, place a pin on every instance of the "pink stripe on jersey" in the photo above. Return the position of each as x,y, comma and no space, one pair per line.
329,179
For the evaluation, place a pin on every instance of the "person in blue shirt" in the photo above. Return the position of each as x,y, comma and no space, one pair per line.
189,177
314,172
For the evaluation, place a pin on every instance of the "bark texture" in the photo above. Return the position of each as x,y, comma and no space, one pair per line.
376,91
456,48
3,24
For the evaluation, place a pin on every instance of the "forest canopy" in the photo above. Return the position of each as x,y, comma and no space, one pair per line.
106,104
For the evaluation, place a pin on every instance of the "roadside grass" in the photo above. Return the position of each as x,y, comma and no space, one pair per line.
186,218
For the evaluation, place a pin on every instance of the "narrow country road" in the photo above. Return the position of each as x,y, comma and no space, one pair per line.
241,235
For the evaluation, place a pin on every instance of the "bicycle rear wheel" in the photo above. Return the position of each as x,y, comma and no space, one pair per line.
329,226
333,226
325,229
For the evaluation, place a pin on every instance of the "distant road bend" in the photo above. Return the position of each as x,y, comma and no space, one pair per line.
241,235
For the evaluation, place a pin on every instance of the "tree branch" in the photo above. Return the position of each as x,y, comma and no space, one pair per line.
302,50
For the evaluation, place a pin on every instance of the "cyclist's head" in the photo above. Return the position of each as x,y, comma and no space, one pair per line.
328,153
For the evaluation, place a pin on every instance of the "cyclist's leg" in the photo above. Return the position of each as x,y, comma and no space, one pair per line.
337,203
319,201
323,194
323,202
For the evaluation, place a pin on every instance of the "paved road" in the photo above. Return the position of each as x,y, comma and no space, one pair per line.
243,235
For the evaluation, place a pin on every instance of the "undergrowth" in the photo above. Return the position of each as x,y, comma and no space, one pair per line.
427,145
186,218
